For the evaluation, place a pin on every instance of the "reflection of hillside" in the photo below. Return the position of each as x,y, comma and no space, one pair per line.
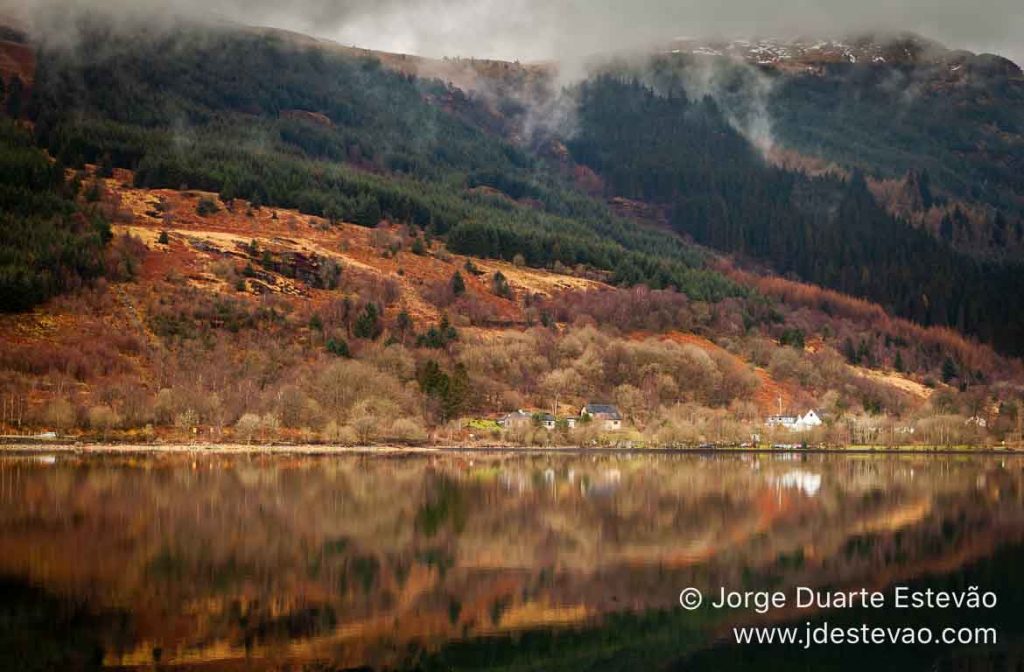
355,559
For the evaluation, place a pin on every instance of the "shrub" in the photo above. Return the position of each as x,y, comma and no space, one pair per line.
247,426
338,347
341,434
500,286
407,429
103,418
206,207
438,337
59,414
269,424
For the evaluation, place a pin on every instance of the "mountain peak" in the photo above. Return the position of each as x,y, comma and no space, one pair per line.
901,48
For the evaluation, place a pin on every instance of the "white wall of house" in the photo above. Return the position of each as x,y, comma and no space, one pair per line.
795,423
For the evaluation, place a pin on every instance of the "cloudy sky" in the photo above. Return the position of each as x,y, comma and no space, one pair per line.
563,29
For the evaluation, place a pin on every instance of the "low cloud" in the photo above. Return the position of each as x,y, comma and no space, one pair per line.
572,30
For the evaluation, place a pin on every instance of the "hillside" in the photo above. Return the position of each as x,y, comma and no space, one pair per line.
250,310
942,127
291,239
643,132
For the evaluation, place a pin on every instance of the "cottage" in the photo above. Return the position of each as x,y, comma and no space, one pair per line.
606,414
795,423
546,420
516,419
780,421
808,420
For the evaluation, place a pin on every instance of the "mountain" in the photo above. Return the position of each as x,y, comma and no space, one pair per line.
812,55
268,232
938,131
893,179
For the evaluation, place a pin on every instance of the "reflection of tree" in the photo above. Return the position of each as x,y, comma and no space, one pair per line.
445,504
279,550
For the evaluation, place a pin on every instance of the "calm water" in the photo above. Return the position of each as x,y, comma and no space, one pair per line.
491,562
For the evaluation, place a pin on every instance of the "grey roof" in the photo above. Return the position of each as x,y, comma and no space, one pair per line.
603,409
515,415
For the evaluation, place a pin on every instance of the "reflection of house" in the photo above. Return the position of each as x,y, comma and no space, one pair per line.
805,481
977,421
795,423
607,414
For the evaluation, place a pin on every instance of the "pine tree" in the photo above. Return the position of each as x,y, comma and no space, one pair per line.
946,229
403,325
500,286
339,347
450,391
367,325
850,352
458,284
949,370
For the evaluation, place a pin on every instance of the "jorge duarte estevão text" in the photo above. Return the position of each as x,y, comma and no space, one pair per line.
802,597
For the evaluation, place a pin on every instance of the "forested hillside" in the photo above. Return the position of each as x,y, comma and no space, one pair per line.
242,235
663,147
957,119
47,243
254,116
938,132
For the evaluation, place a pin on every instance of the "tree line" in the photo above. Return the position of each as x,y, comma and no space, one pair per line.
663,147
332,135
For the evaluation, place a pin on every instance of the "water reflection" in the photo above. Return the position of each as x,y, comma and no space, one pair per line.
399,562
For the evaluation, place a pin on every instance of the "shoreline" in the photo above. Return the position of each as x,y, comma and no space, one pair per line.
320,450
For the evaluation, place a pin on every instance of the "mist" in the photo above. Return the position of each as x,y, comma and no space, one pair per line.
570,31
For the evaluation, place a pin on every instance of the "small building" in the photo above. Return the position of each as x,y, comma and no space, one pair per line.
795,423
808,420
522,419
780,421
516,419
606,414
546,420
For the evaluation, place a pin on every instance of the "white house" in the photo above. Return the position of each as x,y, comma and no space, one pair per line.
780,421
795,423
